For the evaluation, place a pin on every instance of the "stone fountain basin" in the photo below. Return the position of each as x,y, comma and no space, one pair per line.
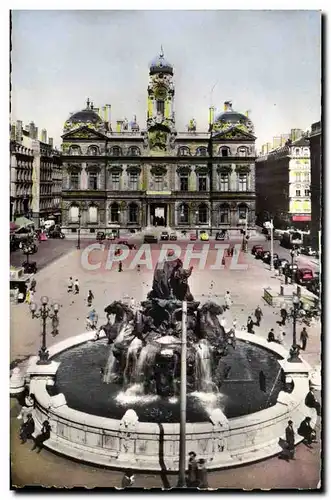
150,446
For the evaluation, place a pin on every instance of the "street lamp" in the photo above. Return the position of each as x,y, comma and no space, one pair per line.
183,383
196,223
78,240
293,254
294,351
44,313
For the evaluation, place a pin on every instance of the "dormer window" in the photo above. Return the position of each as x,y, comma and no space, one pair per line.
115,151
224,151
202,151
242,151
134,151
184,151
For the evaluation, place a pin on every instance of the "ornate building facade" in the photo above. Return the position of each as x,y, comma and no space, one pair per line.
133,178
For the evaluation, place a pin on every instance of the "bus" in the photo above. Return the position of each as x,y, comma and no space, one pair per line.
292,239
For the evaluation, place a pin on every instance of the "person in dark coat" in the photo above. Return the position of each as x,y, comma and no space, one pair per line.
33,285
304,338
271,336
27,429
192,475
43,436
258,315
306,431
120,267
202,474
128,479
311,402
250,325
289,435
283,314
90,298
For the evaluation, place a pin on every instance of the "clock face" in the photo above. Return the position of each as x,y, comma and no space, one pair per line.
160,92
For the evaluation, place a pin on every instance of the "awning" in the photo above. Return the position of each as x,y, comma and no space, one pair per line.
23,222
13,226
301,218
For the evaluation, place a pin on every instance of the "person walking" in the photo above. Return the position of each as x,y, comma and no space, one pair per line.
90,298
304,338
271,336
76,286
258,315
290,440
228,300
120,267
192,475
33,285
43,436
70,285
31,295
250,324
128,479
283,313
202,474
27,429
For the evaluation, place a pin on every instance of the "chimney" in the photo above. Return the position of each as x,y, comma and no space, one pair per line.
12,132
19,131
119,125
211,115
44,135
108,107
227,106
51,142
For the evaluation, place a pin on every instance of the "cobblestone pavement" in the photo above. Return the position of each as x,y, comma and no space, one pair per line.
246,289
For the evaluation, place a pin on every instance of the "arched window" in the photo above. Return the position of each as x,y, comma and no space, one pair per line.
242,212
183,214
93,150
224,151
184,151
224,214
75,150
297,152
203,213
242,151
73,213
115,213
134,151
93,214
306,152
133,213
202,151
115,151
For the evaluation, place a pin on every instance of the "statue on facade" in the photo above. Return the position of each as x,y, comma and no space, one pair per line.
192,126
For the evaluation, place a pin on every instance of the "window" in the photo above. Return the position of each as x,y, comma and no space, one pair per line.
74,180
133,181
297,152
242,212
93,214
183,213
224,182
74,150
73,214
306,152
306,177
298,192
93,180
242,182
115,181
114,213
202,151
133,212
203,214
224,213
183,180
307,192
160,106
115,151
242,151
134,151
298,177
158,181
184,151
202,182
224,151
92,150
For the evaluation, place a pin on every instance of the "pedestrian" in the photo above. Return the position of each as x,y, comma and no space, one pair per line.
76,286
27,297
304,338
283,313
280,335
31,296
202,474
27,429
290,441
29,403
43,436
228,300
311,402
90,298
258,315
271,336
70,285
128,479
120,267
250,324
192,475
33,285
306,431
138,268
262,381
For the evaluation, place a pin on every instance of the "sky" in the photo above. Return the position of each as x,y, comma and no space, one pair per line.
268,62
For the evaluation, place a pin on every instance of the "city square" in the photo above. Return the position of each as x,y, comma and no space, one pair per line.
165,326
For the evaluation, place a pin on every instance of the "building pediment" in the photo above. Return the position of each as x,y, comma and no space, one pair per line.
234,134
83,133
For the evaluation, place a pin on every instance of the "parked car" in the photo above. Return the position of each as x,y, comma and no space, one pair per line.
289,268
309,251
164,236
303,275
281,263
220,235
204,237
314,286
267,260
110,236
259,253
255,248
173,236
57,233
265,255
127,244
193,237
150,238
100,236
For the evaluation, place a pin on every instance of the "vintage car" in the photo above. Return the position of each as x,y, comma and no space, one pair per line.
267,259
259,253
110,236
220,236
173,236
256,248
150,238
280,263
100,236
308,251
193,237
204,237
164,236
303,275
265,255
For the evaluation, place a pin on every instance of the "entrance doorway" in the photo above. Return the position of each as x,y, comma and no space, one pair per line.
158,214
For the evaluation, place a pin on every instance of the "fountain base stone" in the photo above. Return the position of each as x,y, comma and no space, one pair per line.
128,443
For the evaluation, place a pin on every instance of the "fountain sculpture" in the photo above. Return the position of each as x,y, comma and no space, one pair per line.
145,343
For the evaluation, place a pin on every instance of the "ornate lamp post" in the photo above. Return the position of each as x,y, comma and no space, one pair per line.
293,254
196,223
44,313
294,351
78,239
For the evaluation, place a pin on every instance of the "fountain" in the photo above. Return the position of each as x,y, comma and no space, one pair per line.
114,400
